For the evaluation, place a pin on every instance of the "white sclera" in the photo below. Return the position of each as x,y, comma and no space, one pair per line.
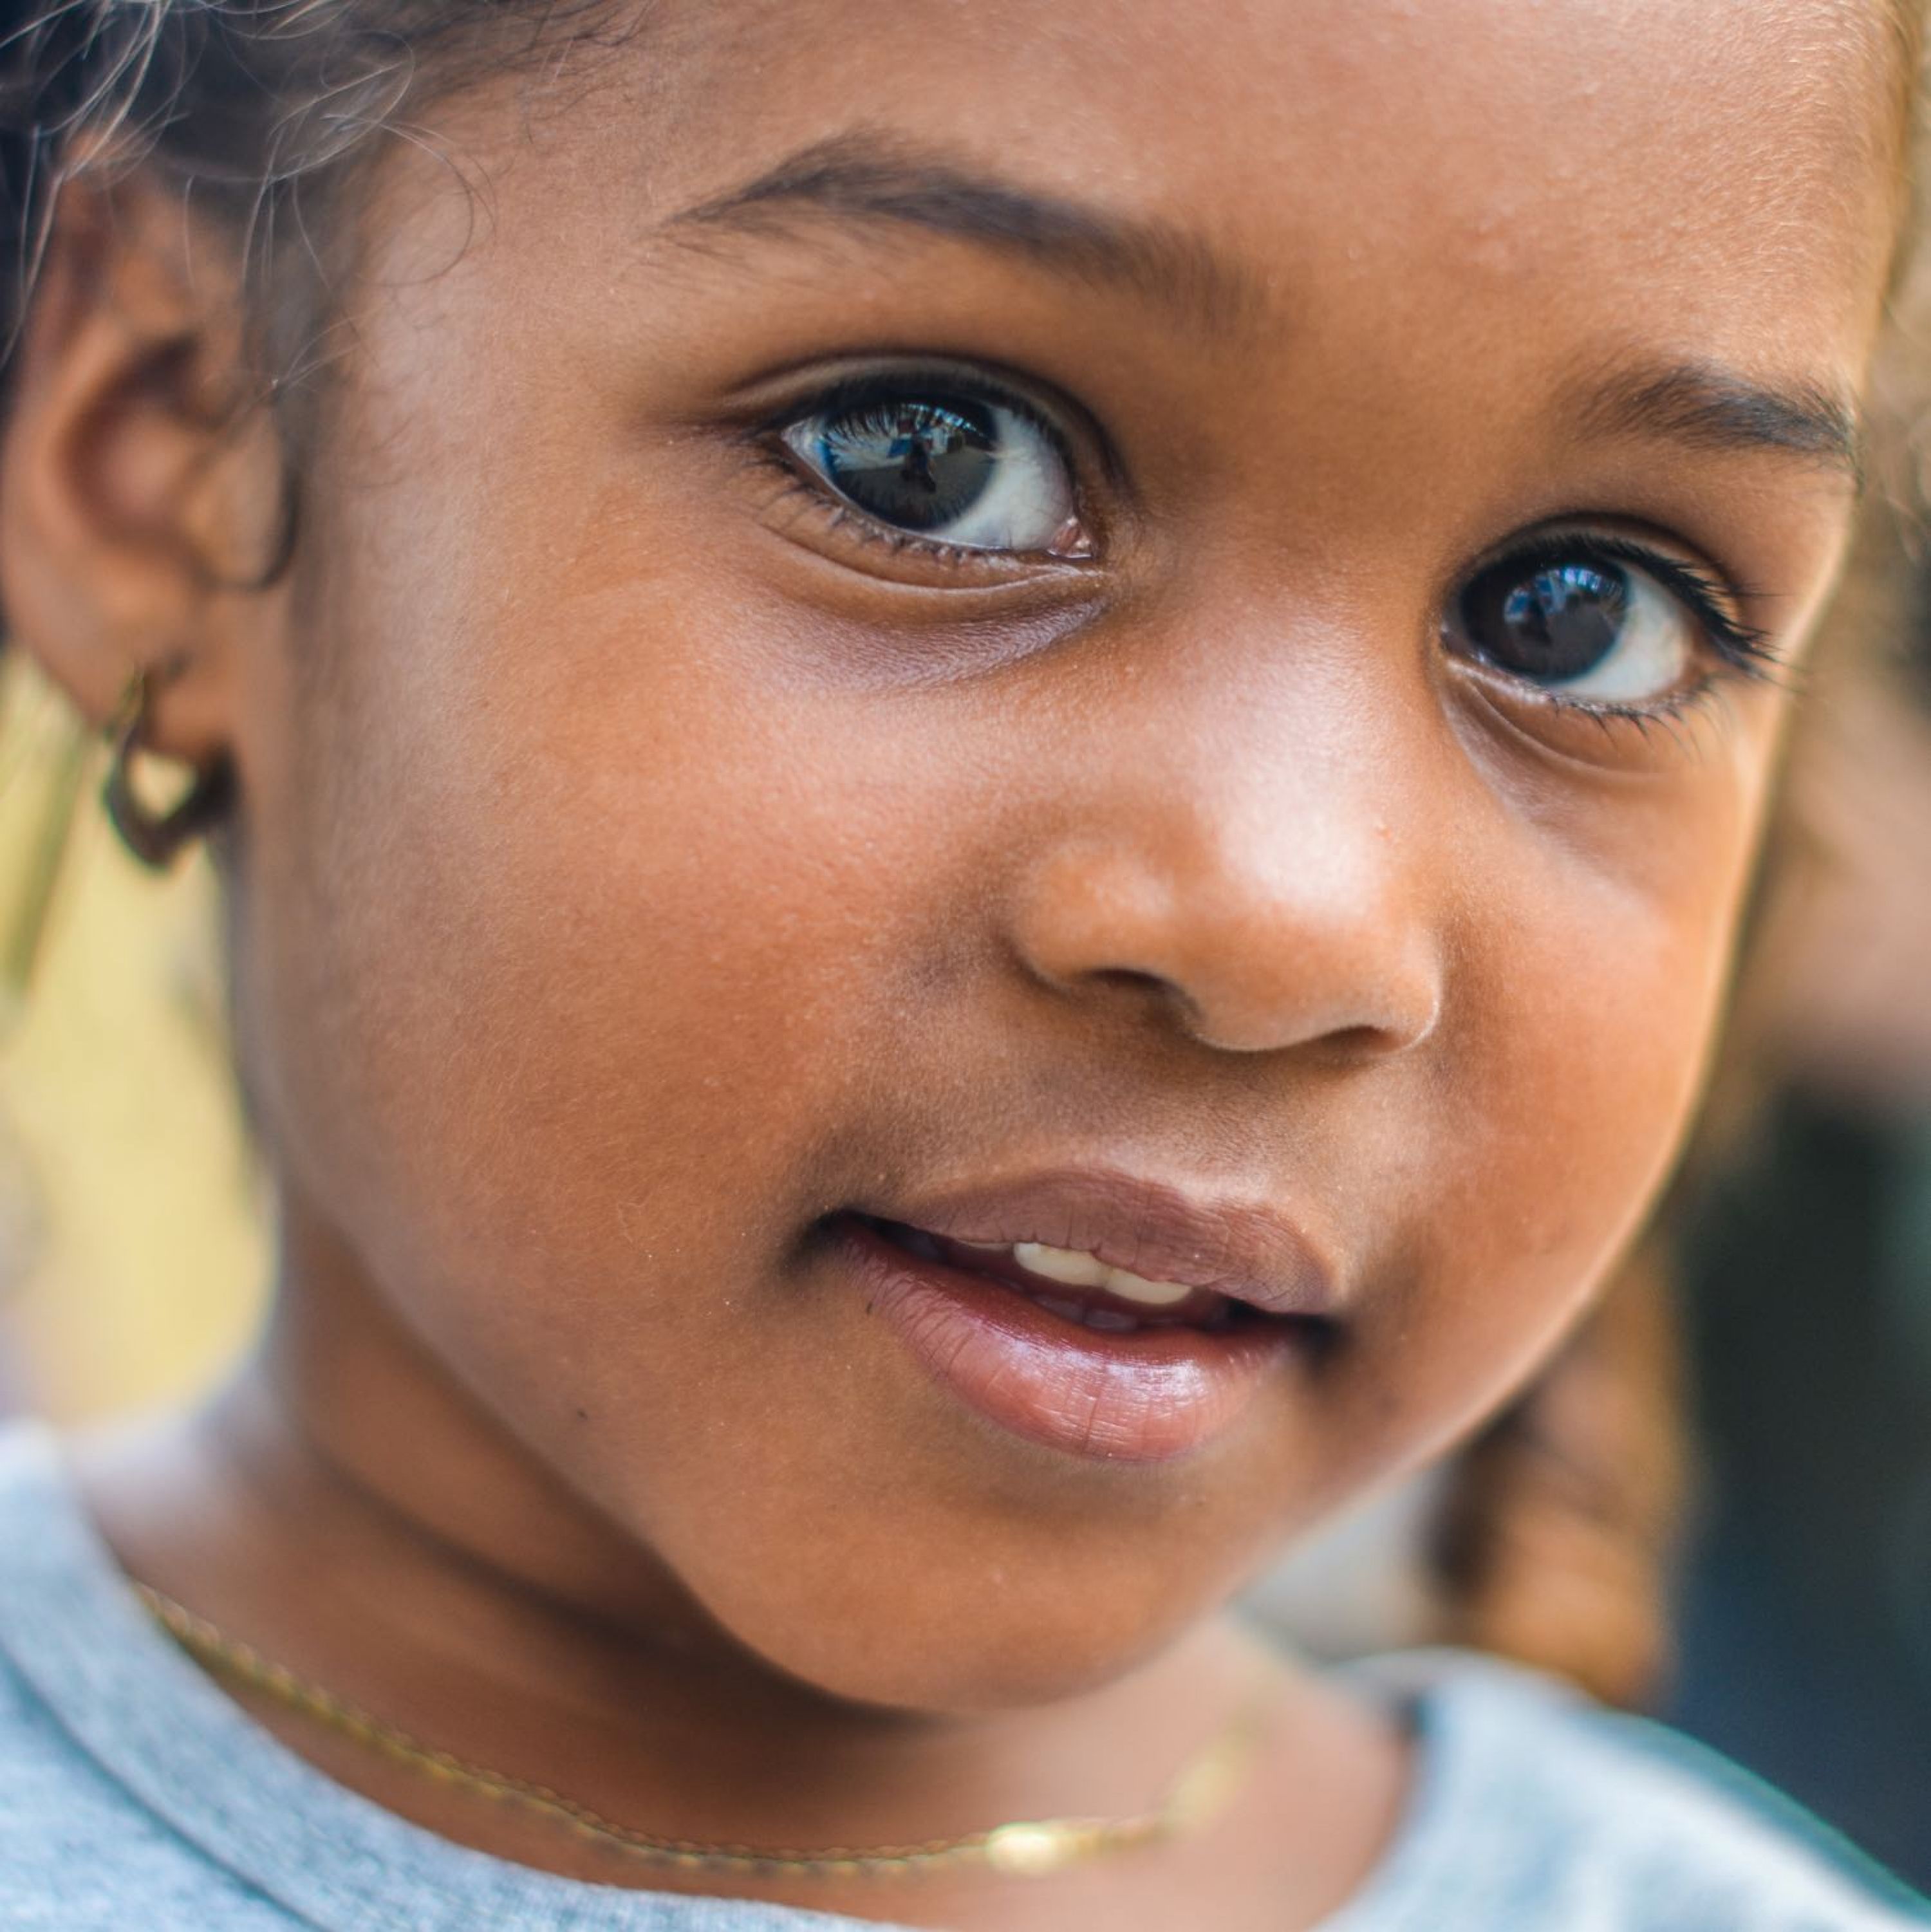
1650,659
1025,506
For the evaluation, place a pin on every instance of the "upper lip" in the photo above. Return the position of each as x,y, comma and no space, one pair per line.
1220,1243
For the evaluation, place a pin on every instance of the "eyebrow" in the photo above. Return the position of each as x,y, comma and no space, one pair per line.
1706,407
860,179
856,180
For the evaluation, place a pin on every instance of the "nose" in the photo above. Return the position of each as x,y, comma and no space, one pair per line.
1259,898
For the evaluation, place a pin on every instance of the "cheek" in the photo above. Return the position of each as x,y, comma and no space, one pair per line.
1593,959
570,947
585,954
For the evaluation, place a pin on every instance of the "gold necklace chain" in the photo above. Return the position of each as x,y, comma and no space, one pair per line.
1024,1849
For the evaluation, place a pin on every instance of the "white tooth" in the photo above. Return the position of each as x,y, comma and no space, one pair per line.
986,1247
1077,1270
1149,1293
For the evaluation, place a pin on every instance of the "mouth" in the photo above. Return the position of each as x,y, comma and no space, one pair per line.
1074,1285
1066,1346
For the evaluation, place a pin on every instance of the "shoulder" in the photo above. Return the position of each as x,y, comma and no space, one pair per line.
78,1853
1546,1809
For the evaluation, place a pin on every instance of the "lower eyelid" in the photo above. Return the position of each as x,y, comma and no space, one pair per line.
1695,703
847,517
843,524
1738,651
853,525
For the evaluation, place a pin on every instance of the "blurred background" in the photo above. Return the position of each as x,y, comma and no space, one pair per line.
1714,1505
1802,1615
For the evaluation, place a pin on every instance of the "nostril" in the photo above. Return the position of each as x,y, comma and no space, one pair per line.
1136,982
1365,1042
1227,1025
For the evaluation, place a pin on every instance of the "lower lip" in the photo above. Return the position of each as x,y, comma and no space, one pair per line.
1147,1396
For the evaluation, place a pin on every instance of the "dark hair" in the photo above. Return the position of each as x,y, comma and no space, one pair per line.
259,111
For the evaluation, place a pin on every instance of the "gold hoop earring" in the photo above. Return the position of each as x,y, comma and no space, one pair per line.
156,838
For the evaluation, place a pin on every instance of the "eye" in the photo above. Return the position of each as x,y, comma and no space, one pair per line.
966,472
1597,620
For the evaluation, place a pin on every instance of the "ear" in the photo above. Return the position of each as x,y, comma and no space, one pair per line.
139,502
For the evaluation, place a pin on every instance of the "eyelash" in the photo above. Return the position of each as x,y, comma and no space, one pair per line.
1740,650
1742,645
849,518
863,391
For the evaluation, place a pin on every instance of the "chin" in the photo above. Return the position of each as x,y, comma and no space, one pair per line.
956,1637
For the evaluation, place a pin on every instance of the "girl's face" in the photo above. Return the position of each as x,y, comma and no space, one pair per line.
1040,626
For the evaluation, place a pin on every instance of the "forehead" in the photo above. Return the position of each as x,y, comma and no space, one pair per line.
1732,164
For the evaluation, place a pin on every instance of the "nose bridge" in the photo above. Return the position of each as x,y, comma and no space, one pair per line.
1257,849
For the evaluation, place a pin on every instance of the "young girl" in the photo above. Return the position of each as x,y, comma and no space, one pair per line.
983,775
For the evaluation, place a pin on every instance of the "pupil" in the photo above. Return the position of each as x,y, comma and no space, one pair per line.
917,465
1553,624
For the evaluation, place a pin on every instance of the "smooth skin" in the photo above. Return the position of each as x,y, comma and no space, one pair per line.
635,862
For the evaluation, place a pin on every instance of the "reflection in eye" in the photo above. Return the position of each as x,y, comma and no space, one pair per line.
975,474
1598,620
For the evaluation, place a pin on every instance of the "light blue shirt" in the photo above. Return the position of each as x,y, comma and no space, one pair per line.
136,1797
